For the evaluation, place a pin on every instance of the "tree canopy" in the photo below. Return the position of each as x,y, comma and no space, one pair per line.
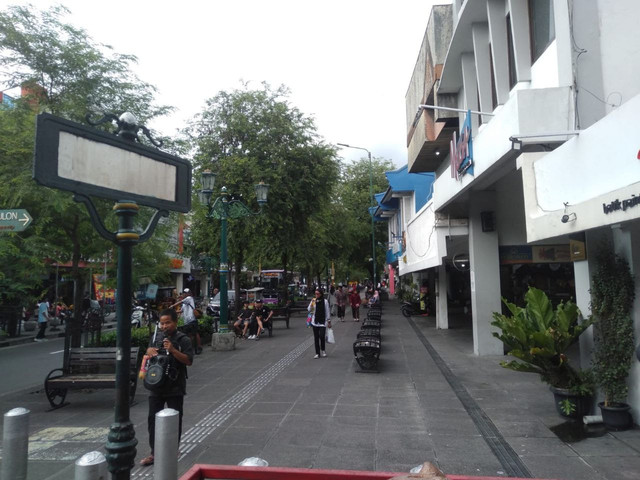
249,135
62,71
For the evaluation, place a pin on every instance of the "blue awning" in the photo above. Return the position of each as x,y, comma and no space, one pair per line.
401,181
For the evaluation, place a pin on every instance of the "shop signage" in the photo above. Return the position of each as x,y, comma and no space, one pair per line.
461,150
513,254
621,205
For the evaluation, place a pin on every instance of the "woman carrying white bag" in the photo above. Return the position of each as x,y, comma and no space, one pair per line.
320,319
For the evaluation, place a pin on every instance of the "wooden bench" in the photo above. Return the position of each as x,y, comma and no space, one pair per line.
90,368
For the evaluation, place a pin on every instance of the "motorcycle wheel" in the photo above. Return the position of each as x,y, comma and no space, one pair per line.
407,311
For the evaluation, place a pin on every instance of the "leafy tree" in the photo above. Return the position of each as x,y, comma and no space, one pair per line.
64,72
354,199
251,135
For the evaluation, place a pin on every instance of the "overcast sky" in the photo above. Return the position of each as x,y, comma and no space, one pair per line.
347,62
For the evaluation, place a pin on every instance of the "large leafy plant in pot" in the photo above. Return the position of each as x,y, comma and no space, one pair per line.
539,336
612,296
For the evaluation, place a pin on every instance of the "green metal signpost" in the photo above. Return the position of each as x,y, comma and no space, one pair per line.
14,220
70,156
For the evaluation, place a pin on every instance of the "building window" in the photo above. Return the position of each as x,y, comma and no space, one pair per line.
541,26
513,76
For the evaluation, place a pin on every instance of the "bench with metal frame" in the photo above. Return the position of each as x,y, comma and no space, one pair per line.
280,314
88,368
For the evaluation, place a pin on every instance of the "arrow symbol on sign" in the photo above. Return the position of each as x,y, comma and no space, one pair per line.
25,220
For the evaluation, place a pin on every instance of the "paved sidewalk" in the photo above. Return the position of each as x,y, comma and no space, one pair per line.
432,401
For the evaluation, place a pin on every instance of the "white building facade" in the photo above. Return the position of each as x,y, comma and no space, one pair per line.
553,90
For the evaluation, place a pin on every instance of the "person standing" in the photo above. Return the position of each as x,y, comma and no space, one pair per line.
179,347
190,320
341,301
320,319
354,300
43,318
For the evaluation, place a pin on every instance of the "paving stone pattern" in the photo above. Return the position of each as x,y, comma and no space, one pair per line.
273,400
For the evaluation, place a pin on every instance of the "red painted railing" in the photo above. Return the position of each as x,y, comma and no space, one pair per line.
208,472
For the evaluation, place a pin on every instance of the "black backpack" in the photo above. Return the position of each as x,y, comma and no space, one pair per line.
162,371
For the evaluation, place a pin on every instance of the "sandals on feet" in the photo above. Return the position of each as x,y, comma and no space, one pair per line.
147,461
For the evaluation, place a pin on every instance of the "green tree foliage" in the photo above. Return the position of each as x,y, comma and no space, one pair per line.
612,296
249,135
354,201
69,75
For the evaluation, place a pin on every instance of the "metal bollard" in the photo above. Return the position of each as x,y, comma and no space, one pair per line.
91,466
15,444
165,450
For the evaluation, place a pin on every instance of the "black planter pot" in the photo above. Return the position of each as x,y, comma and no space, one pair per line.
581,404
616,415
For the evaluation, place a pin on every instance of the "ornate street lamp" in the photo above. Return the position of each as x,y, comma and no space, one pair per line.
223,209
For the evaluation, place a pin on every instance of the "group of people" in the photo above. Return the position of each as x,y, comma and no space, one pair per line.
253,320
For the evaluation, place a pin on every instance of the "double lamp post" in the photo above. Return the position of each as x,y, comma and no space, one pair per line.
222,209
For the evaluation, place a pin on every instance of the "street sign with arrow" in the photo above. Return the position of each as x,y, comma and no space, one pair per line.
14,220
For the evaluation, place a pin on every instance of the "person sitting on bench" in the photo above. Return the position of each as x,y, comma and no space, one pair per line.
241,325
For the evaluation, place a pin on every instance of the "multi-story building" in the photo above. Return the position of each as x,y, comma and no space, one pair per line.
526,111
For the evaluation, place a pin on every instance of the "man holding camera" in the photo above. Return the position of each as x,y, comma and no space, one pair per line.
177,345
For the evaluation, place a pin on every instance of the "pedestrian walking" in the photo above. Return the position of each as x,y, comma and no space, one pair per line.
43,317
320,320
341,302
354,300
190,321
178,346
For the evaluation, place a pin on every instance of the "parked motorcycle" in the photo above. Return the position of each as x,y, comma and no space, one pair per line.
138,316
413,308
409,308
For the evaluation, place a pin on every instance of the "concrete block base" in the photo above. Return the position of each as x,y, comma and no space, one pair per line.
223,342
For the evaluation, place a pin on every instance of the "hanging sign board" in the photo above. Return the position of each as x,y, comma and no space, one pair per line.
70,156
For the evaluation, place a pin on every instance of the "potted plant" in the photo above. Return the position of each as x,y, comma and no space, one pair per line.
612,296
539,337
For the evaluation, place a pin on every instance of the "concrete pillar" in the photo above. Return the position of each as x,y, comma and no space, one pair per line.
470,86
481,49
442,307
15,444
166,445
91,466
519,10
485,276
496,14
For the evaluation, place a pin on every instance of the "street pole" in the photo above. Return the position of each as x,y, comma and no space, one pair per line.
224,266
373,230
121,442
373,203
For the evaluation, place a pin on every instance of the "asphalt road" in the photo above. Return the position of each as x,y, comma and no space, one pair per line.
27,365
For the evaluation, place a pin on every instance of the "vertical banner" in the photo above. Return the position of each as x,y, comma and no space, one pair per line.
392,280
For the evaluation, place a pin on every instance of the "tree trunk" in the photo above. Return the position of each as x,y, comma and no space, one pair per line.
237,271
285,275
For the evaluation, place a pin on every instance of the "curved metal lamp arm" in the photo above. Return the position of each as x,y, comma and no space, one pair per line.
157,143
152,225
95,218
238,209
107,117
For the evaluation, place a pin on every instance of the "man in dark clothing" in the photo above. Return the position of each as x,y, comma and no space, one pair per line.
177,345
241,325
263,317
